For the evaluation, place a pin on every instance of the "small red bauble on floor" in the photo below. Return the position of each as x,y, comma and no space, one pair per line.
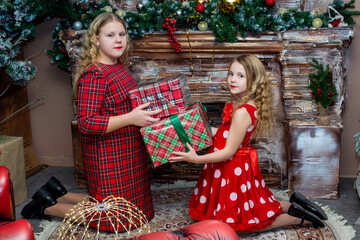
270,3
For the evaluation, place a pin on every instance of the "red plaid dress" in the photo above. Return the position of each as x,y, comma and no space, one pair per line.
234,191
114,163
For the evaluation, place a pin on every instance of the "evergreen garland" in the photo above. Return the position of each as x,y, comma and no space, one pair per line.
19,17
343,10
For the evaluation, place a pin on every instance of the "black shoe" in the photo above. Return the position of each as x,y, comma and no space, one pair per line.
296,210
42,199
308,205
55,187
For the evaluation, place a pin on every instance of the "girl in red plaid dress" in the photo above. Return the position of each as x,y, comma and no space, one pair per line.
112,148
231,187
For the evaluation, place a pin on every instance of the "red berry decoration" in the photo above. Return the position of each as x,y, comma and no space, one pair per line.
270,3
200,8
170,28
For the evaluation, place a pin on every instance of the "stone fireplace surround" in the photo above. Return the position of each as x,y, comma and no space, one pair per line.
286,56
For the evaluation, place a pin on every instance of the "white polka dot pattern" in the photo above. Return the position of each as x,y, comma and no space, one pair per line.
233,196
223,182
230,220
246,166
251,203
243,188
270,214
250,128
246,206
263,183
204,183
238,171
217,173
225,134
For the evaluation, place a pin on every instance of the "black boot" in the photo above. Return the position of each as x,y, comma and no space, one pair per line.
296,210
35,209
308,205
55,187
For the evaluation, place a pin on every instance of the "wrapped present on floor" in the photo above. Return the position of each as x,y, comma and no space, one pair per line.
170,94
171,134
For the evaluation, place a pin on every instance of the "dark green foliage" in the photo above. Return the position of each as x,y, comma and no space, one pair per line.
321,84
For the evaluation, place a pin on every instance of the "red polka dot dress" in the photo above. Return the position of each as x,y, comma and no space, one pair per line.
234,191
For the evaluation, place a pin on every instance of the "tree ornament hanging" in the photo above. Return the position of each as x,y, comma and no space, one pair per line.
200,8
185,4
77,25
107,9
178,13
170,27
282,11
270,3
120,13
202,1
229,6
203,26
317,23
139,6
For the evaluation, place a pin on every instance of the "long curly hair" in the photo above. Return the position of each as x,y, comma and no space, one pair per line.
258,89
90,52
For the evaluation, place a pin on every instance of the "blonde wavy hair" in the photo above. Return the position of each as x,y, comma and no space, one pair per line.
90,52
258,89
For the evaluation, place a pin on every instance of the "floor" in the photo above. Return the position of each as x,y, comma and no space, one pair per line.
348,205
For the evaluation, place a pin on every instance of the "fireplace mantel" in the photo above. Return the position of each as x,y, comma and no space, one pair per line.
286,56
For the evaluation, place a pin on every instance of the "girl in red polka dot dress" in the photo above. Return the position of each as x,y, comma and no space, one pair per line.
231,187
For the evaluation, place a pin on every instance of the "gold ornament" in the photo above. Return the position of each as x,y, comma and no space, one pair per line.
317,12
202,1
120,13
185,4
116,211
229,6
317,23
107,9
203,26
281,11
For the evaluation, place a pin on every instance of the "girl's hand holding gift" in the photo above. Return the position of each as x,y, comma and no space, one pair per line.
142,117
190,156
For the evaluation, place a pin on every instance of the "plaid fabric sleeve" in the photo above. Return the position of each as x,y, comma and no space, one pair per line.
91,96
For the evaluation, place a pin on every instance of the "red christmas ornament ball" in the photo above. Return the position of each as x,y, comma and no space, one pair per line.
200,8
270,2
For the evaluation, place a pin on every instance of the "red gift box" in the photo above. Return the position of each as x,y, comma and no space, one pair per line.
167,135
170,94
